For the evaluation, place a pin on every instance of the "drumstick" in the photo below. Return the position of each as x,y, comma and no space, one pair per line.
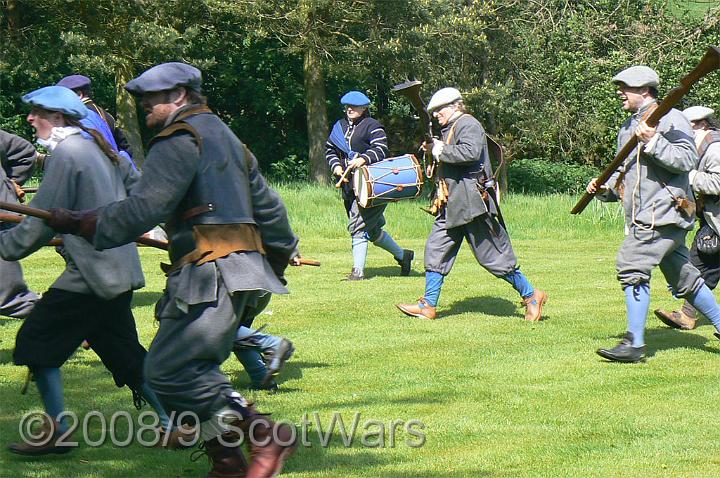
342,178
43,214
308,262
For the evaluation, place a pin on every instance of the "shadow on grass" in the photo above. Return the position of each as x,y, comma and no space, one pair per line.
333,457
291,371
6,356
487,305
667,339
389,271
143,298
294,369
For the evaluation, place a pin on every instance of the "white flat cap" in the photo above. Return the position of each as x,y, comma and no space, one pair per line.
637,76
442,97
697,113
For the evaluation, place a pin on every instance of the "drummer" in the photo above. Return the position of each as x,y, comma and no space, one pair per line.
355,141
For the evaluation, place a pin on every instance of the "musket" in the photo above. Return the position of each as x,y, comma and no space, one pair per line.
45,215
411,91
709,63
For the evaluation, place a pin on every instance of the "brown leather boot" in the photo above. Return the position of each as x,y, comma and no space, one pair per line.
45,443
180,437
270,444
675,319
534,305
226,461
420,309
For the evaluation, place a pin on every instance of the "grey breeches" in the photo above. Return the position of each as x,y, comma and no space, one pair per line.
183,363
488,241
664,246
366,221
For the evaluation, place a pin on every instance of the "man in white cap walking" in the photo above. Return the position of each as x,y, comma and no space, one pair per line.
705,182
654,186
462,175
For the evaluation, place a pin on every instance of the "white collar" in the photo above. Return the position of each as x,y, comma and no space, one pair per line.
57,135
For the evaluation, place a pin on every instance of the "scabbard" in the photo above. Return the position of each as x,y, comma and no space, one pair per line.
493,198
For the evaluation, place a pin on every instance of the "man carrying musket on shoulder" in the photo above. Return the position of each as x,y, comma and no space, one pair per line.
705,181
462,213
230,242
654,187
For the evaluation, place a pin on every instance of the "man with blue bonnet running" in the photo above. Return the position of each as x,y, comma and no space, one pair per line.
92,297
357,140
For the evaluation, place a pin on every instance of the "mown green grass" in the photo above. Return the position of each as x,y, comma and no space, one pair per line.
499,397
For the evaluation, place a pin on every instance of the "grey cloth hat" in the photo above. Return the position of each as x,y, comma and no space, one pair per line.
697,113
165,76
637,76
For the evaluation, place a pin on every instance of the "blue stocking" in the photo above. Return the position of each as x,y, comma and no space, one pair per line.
152,398
385,241
433,284
359,252
520,283
637,300
704,301
49,384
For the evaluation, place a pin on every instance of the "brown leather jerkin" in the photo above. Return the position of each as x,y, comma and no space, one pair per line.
214,241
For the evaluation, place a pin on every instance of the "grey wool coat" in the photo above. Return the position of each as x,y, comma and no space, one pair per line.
463,157
707,182
654,179
79,177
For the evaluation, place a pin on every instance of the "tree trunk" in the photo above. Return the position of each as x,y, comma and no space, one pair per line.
13,17
317,123
127,117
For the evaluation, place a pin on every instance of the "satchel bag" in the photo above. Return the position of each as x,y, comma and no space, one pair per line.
707,241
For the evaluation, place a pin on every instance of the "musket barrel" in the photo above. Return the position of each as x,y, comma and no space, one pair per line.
709,63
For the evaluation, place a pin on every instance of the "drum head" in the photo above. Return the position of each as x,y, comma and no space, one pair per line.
360,185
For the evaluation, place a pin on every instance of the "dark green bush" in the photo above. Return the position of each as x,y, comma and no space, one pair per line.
539,176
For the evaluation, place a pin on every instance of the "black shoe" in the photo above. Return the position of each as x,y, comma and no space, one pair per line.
277,358
406,262
356,274
624,351
270,387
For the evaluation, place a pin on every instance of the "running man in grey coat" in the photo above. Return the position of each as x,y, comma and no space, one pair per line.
17,161
655,189
91,298
705,182
230,242
463,171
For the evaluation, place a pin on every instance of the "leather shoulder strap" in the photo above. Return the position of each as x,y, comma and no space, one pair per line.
174,128
710,138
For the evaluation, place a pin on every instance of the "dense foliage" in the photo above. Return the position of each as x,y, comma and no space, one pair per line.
536,72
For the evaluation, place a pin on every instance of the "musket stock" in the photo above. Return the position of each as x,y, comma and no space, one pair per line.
45,215
709,63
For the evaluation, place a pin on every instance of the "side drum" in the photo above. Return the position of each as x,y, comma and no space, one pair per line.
388,181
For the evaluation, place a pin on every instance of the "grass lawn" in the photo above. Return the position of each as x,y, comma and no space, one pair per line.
498,397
